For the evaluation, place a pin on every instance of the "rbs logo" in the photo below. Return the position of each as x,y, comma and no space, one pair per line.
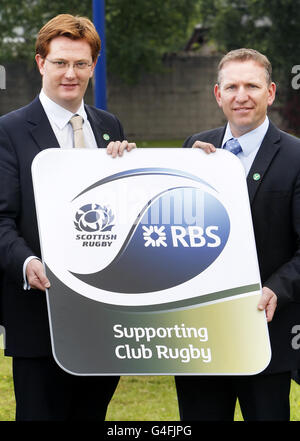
192,236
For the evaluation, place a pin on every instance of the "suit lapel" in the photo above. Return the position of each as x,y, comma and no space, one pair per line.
262,161
43,134
217,137
41,129
98,128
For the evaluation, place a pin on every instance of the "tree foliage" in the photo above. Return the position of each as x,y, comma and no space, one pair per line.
138,32
20,21
270,26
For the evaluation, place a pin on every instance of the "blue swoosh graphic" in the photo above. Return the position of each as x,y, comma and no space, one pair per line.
148,263
143,172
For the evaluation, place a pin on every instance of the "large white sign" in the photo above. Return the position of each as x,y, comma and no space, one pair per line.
152,262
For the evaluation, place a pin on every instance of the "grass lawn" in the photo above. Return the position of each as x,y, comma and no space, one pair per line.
165,143
137,398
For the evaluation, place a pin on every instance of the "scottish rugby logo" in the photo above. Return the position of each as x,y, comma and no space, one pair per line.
93,221
92,217
178,234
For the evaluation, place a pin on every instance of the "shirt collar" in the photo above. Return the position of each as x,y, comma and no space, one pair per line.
250,141
58,114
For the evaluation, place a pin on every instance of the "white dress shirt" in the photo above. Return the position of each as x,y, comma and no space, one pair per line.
59,118
250,143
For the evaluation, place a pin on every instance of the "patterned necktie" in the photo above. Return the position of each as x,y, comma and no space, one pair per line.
233,146
76,122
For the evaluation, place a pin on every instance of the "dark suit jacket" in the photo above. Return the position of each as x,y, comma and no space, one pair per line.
275,206
23,134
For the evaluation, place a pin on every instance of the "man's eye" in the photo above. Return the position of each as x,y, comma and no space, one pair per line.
60,63
81,64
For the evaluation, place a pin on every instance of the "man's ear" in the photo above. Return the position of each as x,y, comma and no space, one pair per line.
217,93
93,67
40,61
272,93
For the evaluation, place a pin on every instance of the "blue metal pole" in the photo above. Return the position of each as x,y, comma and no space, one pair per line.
100,71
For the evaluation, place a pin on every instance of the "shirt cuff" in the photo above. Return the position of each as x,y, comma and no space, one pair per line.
26,285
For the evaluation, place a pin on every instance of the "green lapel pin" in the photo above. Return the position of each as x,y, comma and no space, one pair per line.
256,176
106,137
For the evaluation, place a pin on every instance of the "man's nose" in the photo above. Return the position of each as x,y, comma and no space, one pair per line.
241,95
70,72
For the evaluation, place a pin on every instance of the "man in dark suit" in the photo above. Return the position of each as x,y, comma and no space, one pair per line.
67,49
271,159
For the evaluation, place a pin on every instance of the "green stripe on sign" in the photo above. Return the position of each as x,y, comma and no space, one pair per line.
195,301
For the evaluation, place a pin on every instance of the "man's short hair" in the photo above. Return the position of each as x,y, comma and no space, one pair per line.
244,54
73,27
